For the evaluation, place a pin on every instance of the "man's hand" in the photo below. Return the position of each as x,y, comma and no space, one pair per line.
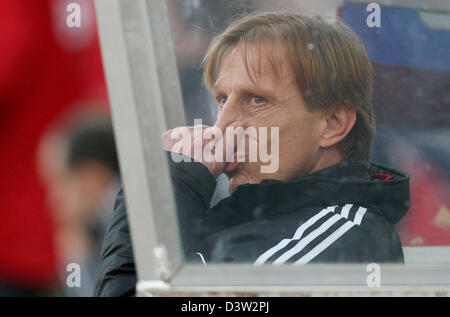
191,141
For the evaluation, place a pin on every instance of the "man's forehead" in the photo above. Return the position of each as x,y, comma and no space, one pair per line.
261,63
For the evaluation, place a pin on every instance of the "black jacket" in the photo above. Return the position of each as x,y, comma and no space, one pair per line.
344,213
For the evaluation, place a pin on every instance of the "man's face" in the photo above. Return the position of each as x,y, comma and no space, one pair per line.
267,101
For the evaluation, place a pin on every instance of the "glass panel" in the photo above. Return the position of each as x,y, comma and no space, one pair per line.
410,54
302,90
408,45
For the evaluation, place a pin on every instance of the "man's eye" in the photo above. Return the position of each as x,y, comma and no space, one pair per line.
222,100
258,100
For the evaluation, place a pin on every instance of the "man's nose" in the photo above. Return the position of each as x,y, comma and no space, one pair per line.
230,115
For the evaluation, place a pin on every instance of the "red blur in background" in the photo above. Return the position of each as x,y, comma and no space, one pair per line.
46,70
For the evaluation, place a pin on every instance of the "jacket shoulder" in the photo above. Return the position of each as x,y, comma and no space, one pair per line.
348,233
116,275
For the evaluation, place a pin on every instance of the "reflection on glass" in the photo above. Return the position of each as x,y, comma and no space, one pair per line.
283,106
409,53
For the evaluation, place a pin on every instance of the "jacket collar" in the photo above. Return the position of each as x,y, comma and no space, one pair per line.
345,182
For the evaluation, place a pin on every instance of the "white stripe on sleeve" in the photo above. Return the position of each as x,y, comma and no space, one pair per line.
306,240
345,210
325,243
298,234
359,215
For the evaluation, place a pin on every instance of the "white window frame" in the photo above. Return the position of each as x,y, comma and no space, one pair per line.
146,100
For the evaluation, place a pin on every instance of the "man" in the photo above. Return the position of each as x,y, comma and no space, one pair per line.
79,167
312,80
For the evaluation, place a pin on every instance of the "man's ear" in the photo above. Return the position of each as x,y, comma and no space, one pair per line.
339,122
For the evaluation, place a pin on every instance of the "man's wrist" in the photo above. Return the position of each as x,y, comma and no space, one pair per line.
199,174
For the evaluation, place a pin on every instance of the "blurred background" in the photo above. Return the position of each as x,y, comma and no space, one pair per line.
58,165
59,171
